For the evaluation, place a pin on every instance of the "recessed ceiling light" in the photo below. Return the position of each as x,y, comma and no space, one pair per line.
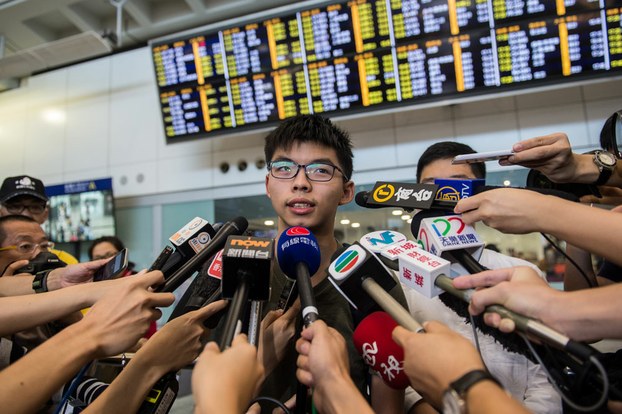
405,217
269,222
356,225
344,221
397,212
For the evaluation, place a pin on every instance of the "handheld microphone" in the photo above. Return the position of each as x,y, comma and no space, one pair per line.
235,226
246,276
299,258
432,283
204,289
374,342
187,242
359,276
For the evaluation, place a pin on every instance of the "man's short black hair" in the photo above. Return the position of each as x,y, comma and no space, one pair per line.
114,240
448,149
313,129
9,219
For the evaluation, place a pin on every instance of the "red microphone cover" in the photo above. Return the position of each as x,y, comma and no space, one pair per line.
372,338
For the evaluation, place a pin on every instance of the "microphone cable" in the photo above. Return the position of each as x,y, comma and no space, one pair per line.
590,283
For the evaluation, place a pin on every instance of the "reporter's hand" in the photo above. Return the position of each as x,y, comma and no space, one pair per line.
12,268
74,274
508,210
226,381
119,319
276,333
432,360
322,355
519,289
550,154
178,343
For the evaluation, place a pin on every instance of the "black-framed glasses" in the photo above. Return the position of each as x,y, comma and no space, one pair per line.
19,208
28,248
316,171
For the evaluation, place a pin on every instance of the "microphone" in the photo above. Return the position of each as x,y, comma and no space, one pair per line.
415,266
236,226
246,276
204,289
374,342
443,194
359,276
299,258
449,237
187,242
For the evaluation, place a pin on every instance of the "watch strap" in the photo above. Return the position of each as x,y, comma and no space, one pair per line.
462,384
40,282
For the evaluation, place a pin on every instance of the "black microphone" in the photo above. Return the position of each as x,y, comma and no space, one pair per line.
187,242
204,289
362,280
443,194
236,226
299,258
246,276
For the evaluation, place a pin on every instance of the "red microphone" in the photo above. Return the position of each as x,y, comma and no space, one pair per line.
372,338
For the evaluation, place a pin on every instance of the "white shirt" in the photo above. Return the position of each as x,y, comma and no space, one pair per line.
524,380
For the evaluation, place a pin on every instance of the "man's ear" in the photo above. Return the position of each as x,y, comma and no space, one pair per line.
267,180
348,193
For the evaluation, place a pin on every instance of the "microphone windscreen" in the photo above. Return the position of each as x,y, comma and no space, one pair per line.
361,198
296,245
372,339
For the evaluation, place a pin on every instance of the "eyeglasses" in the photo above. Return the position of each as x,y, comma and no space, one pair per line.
317,171
19,208
28,248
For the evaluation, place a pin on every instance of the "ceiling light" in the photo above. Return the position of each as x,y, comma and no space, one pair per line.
397,212
410,220
405,217
269,222
54,116
356,225
507,183
345,221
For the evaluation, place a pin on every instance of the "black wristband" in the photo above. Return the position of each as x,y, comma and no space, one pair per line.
462,384
40,282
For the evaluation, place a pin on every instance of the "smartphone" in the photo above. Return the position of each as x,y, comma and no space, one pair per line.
481,157
113,268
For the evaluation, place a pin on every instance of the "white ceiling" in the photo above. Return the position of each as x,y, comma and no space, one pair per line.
41,34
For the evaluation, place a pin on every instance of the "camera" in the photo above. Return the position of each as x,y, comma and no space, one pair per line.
43,261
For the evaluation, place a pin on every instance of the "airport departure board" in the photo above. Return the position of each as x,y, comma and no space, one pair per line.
362,55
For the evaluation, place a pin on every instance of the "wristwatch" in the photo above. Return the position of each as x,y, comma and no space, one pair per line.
40,282
606,163
454,397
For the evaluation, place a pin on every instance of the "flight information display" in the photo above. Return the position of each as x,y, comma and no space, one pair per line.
362,55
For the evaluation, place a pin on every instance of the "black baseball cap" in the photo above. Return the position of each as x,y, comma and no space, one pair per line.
22,185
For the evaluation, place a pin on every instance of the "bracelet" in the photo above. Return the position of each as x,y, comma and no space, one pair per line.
40,282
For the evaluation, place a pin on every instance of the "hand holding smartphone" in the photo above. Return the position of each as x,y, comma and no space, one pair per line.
481,157
113,268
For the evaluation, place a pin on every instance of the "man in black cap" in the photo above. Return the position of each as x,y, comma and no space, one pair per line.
25,196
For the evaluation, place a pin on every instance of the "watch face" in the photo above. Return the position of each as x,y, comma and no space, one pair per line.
452,403
606,158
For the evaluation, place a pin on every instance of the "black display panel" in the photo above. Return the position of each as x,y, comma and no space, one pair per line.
361,55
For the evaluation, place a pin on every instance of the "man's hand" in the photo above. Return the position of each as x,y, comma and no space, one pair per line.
277,331
432,360
519,289
119,319
74,274
226,381
551,155
178,343
508,210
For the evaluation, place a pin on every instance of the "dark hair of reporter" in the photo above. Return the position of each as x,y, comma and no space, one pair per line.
448,149
115,241
10,219
313,129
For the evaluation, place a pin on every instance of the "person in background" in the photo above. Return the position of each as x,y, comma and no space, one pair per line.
107,246
526,382
25,196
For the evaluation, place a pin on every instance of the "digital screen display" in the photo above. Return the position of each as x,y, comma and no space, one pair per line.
80,211
362,55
